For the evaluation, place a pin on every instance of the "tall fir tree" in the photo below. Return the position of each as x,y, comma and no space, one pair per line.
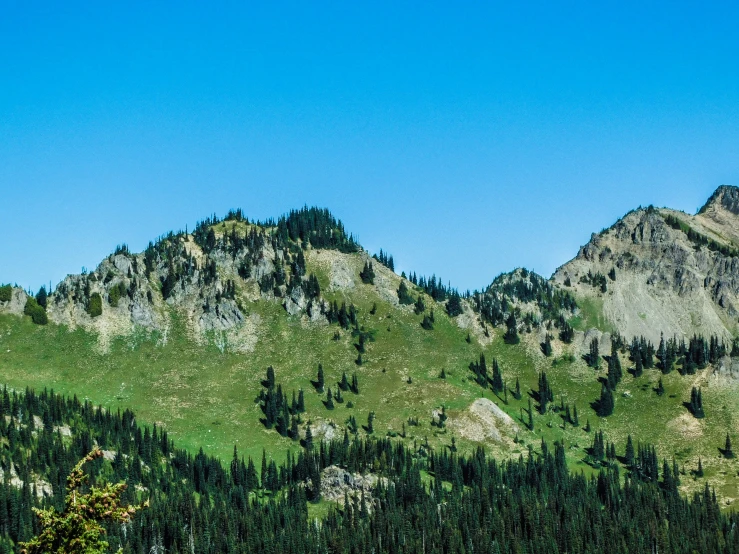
728,452
511,334
497,380
594,354
320,381
606,401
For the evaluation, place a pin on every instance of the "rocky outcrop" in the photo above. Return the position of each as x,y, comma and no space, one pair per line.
483,421
17,302
127,299
338,484
296,303
41,486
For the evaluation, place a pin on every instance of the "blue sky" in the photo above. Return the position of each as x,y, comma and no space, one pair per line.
465,140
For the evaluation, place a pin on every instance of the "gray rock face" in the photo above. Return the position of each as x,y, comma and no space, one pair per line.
17,302
221,317
296,303
582,341
725,196
665,282
128,299
337,482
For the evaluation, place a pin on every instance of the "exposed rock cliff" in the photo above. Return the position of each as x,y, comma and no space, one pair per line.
660,270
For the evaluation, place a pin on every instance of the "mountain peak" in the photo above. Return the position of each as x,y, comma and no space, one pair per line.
726,197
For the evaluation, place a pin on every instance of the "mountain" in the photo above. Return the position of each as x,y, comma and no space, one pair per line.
664,271
263,334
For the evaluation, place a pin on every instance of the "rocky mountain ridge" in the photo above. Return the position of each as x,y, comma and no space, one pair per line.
661,271
655,271
211,277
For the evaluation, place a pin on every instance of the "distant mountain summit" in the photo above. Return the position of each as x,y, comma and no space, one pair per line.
726,197
721,214
664,271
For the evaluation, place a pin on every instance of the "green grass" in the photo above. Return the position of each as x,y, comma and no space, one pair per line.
590,315
205,397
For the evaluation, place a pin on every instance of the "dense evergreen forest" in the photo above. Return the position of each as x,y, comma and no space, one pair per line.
425,501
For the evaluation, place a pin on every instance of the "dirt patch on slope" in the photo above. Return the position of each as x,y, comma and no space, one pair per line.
686,425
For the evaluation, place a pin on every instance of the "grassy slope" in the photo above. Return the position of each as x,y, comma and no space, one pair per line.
205,397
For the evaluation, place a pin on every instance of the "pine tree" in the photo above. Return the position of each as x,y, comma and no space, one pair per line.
344,383
273,479
355,384
575,418
566,333
329,403
545,393
301,402
531,416
511,334
606,402
497,381
252,479
639,365
315,478
308,442
629,455
546,346
662,352
264,472
370,423
404,297
728,452
615,373
696,403
660,388
367,274
442,417
320,382
598,448
454,305
294,435
594,355
517,393
41,297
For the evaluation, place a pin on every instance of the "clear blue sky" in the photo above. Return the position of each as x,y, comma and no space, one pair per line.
465,140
